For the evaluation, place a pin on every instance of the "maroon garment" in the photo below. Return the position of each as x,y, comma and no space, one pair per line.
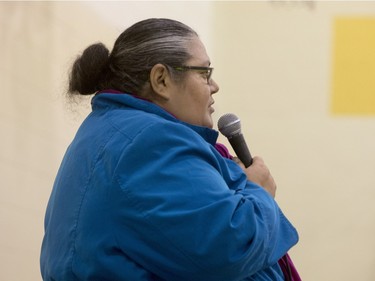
286,264
288,268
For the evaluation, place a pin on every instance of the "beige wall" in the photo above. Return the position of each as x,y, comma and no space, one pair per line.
273,64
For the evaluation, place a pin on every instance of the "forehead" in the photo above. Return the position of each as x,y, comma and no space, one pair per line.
198,52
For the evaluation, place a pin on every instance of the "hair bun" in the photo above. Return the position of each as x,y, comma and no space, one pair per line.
87,69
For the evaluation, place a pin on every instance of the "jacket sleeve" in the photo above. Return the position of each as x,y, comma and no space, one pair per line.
186,213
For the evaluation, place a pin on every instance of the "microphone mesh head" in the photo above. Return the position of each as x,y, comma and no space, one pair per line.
229,125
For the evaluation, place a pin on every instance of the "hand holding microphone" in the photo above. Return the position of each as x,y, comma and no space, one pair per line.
230,126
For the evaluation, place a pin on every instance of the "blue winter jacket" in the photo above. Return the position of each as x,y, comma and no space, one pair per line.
143,196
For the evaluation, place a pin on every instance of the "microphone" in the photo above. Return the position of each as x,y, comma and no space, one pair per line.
230,126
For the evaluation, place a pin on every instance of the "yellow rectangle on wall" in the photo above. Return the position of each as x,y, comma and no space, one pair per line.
353,90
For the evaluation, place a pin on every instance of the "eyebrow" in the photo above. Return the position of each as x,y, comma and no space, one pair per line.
204,63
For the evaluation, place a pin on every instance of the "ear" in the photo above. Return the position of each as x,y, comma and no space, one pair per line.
160,81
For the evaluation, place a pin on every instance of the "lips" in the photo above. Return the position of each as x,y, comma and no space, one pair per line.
211,108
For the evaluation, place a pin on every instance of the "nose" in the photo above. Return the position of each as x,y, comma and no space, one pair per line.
214,86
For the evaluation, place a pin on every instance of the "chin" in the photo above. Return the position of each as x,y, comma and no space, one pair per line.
205,122
209,123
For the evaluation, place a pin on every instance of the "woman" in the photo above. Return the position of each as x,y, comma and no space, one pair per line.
143,192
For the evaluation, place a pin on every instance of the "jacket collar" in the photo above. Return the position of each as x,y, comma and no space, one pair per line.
114,99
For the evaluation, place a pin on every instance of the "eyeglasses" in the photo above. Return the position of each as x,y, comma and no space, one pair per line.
206,71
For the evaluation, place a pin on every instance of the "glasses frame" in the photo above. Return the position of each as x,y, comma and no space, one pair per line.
196,68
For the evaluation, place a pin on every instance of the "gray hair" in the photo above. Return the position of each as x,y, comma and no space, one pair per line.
135,52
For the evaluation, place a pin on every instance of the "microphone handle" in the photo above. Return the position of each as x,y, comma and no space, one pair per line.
240,148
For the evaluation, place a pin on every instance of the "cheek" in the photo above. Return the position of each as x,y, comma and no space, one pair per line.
201,103
197,98
206,99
